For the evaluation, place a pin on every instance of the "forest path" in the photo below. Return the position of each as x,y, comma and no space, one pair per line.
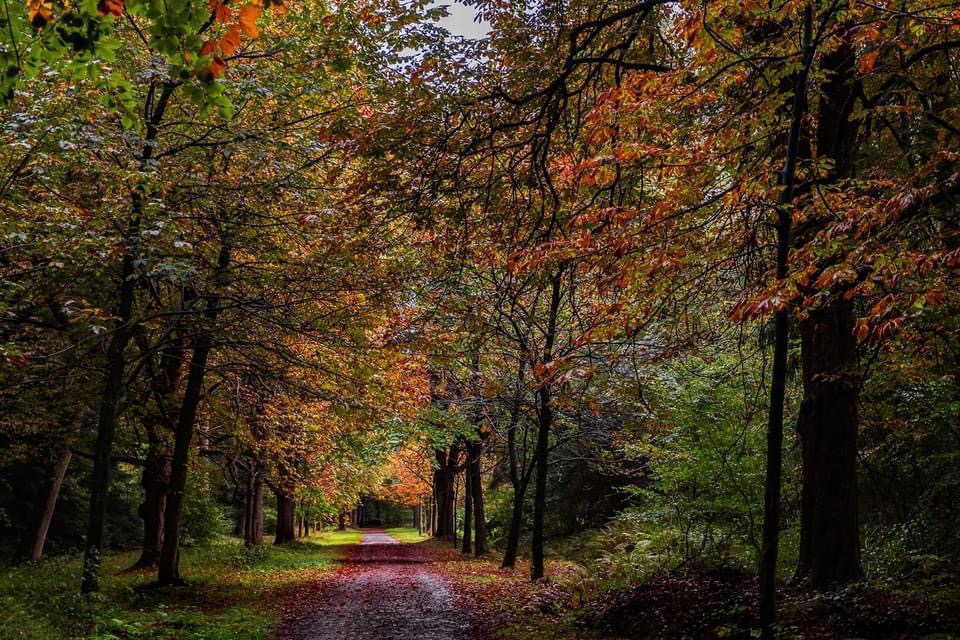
384,590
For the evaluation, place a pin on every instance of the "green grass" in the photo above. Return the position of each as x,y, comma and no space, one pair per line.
232,593
406,534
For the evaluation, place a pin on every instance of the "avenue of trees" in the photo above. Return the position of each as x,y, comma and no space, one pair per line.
685,273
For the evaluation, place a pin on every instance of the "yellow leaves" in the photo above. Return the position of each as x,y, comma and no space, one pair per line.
248,16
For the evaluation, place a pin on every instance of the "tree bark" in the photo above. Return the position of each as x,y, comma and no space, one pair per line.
155,480
827,425
169,568
518,473
513,535
828,421
57,475
116,362
467,512
767,566
342,521
286,507
255,529
475,487
445,491
545,424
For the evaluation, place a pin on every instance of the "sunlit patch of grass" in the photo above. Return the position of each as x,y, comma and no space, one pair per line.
232,592
407,534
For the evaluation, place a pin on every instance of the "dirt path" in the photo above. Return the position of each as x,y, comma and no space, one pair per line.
384,591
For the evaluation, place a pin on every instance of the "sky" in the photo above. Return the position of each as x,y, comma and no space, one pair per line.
460,21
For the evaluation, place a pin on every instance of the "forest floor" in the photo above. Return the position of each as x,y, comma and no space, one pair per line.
395,584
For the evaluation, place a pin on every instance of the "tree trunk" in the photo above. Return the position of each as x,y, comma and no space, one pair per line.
342,521
107,420
440,497
767,566
116,363
467,512
155,480
256,511
828,422
286,507
57,475
475,486
169,569
513,535
445,492
518,473
827,425
545,424
540,487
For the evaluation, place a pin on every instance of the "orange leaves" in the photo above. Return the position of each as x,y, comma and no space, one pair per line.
832,277
217,64
747,309
111,7
230,41
868,61
217,67
864,331
861,329
40,13
221,12
246,24
248,16
935,297
209,47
